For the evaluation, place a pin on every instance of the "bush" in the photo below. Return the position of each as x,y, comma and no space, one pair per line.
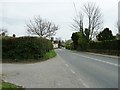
82,42
25,48
109,47
0,49
69,46
106,45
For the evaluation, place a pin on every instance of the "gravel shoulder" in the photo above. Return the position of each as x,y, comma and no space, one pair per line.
52,73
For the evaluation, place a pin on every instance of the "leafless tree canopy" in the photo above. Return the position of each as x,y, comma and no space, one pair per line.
41,27
78,22
94,17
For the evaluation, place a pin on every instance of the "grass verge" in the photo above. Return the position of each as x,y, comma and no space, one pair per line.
10,86
49,55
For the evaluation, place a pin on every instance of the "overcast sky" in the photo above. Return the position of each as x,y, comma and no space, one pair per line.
14,14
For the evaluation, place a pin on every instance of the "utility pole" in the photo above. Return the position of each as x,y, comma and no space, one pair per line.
119,17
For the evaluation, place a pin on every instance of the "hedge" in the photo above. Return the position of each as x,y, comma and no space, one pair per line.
105,45
0,48
25,48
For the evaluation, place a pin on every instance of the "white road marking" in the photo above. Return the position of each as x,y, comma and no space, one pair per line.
99,60
83,83
67,65
72,71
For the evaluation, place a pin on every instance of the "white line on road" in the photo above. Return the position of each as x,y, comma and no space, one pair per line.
72,71
67,65
83,83
98,60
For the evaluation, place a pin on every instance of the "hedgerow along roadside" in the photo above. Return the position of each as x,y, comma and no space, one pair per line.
25,49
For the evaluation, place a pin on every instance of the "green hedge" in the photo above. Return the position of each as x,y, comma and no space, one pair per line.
69,46
25,48
0,48
105,45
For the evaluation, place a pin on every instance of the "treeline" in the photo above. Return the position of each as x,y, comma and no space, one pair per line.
90,39
105,43
25,48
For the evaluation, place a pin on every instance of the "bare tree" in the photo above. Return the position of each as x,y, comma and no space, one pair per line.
94,16
41,27
78,22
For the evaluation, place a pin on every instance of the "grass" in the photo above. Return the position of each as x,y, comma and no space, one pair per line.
10,86
49,55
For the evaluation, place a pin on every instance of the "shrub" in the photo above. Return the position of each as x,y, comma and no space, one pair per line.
69,46
0,49
82,42
105,45
25,48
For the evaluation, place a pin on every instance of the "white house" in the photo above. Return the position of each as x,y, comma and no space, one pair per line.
55,44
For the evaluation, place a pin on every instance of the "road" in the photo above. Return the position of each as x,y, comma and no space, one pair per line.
48,74
69,69
94,71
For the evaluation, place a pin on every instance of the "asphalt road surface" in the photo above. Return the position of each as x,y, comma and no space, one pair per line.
94,71
52,73
69,69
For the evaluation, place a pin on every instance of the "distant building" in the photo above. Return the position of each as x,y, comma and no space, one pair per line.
55,44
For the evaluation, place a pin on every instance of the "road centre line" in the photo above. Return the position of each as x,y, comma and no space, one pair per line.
72,71
83,83
98,60
86,86
67,65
